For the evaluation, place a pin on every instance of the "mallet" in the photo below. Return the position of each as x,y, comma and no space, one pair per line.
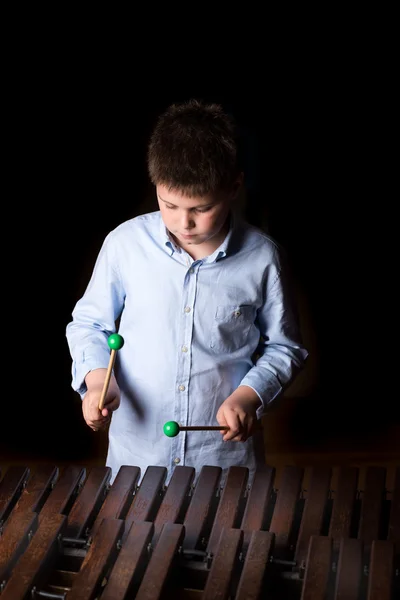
115,342
172,428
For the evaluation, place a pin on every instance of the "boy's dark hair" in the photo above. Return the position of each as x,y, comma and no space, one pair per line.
193,149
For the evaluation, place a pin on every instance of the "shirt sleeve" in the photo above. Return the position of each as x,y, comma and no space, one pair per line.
94,317
281,354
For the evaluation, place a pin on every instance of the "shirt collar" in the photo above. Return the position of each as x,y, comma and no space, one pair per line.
222,250
167,238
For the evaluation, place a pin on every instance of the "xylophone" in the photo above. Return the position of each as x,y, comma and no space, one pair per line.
314,533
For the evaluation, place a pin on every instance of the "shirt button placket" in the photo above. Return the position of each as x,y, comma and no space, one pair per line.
184,362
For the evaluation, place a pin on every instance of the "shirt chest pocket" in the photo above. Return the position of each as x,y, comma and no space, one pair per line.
231,327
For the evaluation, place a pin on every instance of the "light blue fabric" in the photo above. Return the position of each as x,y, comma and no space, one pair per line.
192,331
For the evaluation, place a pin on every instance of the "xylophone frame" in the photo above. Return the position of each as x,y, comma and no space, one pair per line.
315,533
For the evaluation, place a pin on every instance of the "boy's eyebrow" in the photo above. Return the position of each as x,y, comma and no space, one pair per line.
200,206
166,201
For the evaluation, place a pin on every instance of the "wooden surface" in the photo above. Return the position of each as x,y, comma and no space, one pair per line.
315,517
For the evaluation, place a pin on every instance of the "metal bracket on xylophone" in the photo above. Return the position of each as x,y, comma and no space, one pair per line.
317,533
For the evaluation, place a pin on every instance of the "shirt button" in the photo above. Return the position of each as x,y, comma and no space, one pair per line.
187,309
177,461
184,349
182,388
191,271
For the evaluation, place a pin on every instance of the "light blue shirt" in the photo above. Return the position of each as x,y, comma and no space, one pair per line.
192,335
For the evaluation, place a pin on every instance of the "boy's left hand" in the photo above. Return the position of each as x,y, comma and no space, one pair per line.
238,412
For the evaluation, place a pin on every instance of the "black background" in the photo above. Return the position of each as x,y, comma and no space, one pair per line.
77,127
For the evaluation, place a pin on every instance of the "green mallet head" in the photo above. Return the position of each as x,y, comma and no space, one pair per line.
115,341
171,428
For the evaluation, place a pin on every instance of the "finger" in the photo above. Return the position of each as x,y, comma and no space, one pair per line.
239,438
102,422
95,416
98,423
239,427
111,405
90,413
221,421
234,430
99,426
223,424
220,418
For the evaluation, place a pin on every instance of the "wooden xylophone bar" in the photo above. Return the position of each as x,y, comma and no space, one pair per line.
315,533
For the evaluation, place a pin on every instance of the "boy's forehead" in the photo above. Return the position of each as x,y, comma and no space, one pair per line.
179,199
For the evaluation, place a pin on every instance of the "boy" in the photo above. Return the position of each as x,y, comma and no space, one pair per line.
198,293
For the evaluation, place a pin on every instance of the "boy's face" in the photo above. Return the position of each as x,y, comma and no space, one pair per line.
194,220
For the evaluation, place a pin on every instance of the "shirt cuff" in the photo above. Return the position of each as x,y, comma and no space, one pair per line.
266,389
89,362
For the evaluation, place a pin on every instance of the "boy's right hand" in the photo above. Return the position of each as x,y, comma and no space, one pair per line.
95,418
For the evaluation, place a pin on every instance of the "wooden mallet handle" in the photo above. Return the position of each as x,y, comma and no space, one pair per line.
115,342
203,428
172,428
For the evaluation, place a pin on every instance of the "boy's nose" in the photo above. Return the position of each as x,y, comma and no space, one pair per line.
187,221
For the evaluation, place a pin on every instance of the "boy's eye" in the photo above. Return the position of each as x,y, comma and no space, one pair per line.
197,210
